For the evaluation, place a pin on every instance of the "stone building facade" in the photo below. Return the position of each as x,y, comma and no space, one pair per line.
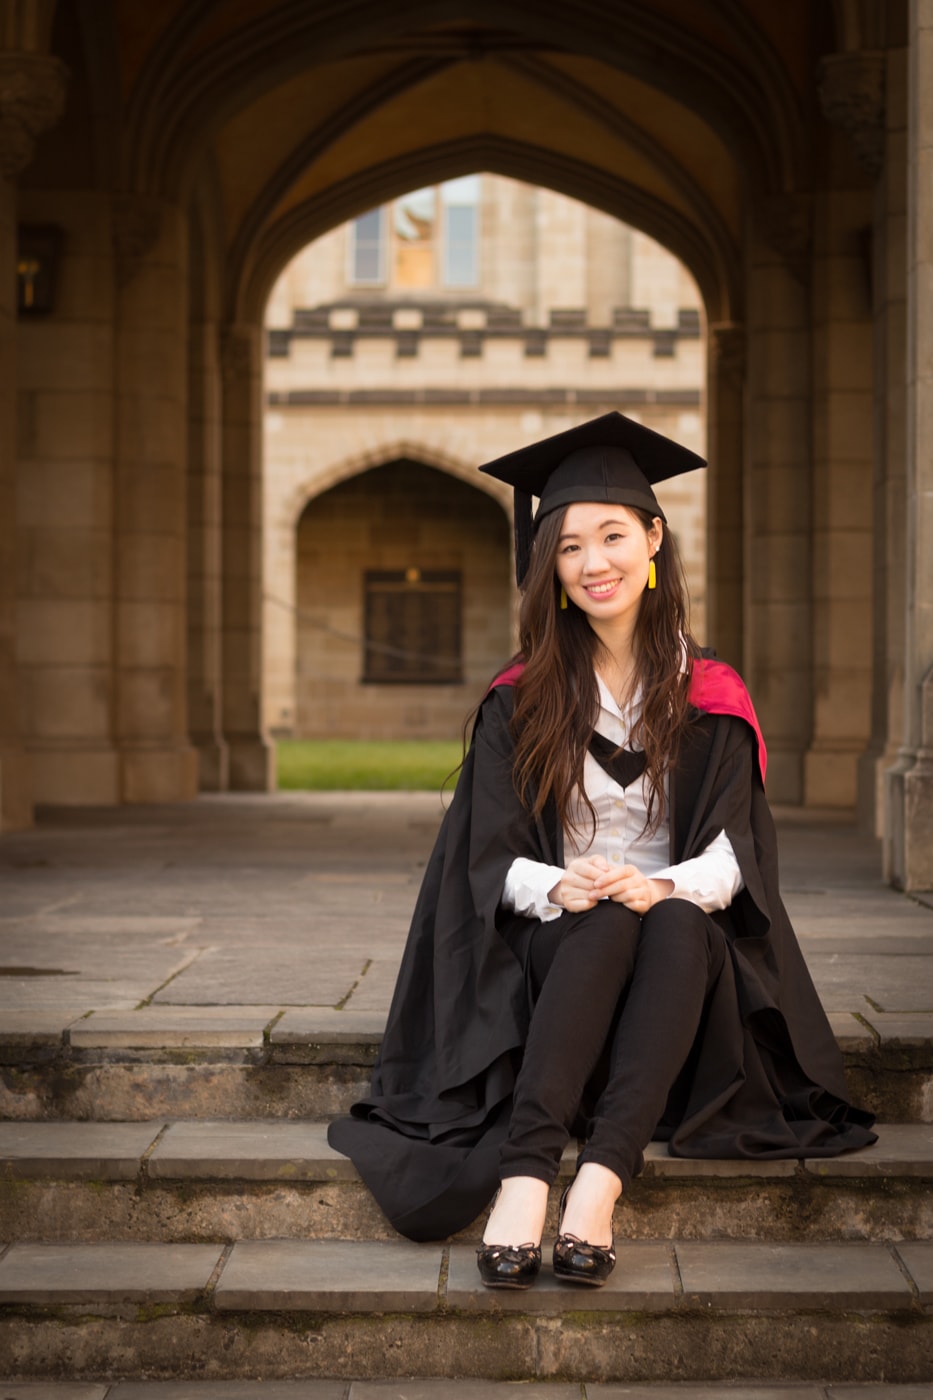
161,164
393,371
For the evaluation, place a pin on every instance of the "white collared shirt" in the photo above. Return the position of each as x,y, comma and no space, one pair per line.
711,880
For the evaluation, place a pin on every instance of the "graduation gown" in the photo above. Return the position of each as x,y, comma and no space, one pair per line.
764,1078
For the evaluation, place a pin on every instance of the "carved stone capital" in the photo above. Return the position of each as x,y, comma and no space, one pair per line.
137,223
851,87
727,351
32,98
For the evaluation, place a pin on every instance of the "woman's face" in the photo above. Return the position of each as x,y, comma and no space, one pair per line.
602,559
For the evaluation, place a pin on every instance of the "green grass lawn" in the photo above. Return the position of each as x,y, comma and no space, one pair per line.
325,765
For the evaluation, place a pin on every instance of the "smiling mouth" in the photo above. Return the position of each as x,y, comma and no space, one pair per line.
596,590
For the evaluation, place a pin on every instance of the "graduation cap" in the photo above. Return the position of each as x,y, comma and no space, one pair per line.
612,459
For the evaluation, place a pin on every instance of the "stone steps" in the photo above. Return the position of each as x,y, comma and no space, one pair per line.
179,1062
673,1310
194,1181
435,1388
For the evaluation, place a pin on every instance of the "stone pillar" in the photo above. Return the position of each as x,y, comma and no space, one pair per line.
889,602
778,546
157,762
725,492
204,559
908,842
251,754
32,94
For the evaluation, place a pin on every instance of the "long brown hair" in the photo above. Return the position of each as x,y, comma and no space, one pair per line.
557,700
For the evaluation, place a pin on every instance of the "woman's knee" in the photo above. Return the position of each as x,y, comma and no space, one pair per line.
682,928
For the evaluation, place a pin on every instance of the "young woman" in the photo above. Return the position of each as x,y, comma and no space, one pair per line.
599,946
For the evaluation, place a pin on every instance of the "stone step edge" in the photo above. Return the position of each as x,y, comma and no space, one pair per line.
324,1035
389,1278
465,1388
283,1151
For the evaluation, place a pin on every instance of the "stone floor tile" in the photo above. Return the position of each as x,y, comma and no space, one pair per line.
881,1391
722,1390
53,1390
284,974
175,1027
249,1151
41,1027
895,983
464,1390
917,1255
911,1029
743,1275
902,1149
659,1163
309,1025
642,1281
850,1032
330,1276
227,1390
101,1151
105,1273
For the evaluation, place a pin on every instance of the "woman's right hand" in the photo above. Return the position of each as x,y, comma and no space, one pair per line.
577,891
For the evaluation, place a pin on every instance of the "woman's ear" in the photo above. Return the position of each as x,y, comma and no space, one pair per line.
656,533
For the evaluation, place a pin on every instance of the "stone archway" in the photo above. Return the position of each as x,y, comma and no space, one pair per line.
432,555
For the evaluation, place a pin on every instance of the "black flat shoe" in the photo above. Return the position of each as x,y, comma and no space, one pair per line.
508,1265
577,1261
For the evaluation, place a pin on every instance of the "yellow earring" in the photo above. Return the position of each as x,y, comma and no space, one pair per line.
652,574
563,598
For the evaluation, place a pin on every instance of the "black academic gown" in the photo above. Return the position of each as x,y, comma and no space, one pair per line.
764,1078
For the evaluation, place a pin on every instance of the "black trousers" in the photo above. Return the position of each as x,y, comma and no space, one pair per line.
617,991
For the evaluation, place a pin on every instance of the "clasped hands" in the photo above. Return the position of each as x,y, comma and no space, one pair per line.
588,879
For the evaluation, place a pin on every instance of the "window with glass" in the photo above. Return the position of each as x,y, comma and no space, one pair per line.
413,628
368,249
460,203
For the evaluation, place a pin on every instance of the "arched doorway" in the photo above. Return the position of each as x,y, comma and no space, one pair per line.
402,604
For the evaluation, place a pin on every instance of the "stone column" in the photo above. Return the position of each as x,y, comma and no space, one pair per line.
32,95
725,492
204,559
889,286
777,647
908,842
157,762
251,754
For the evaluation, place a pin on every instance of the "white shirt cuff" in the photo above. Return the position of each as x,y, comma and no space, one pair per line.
711,880
527,886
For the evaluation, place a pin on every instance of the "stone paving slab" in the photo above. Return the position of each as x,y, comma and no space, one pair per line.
844,980
100,1151
276,1149
52,1390
329,1276
850,1032
643,1281
41,1274
740,1276
868,1391
895,1029
724,1390
902,1149
315,1024
19,1027
244,1151
226,1390
175,1027
284,973
465,1390
917,1256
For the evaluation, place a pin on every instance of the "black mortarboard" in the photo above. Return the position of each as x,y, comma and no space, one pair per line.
611,459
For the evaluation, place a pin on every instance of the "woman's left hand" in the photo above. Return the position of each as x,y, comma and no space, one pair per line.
630,887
